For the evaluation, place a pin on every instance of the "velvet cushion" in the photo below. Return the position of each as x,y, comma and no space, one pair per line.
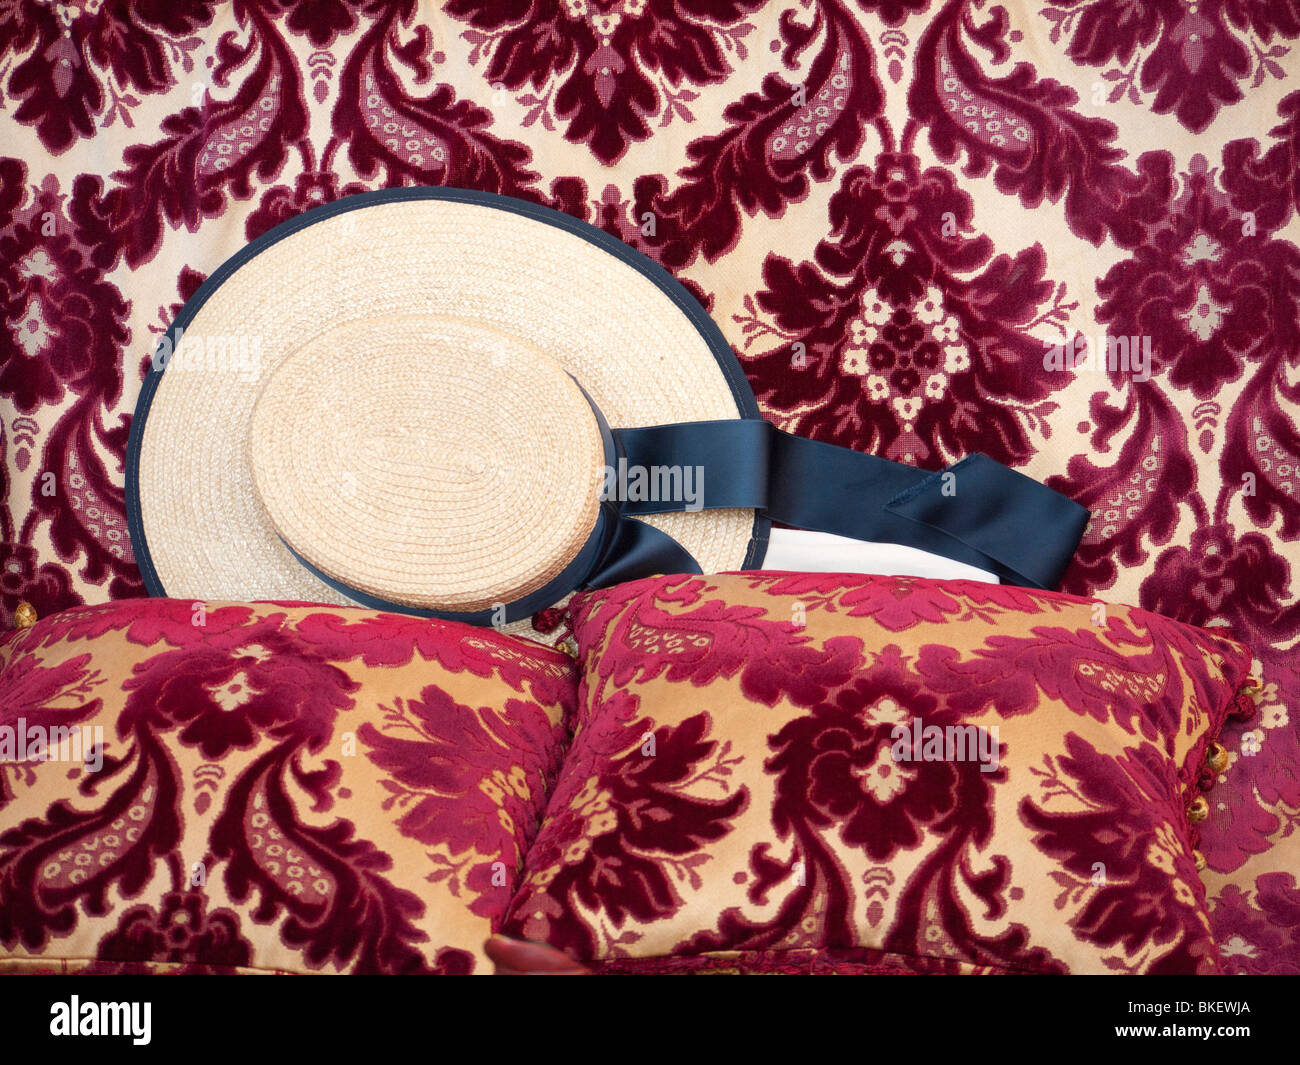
284,787
780,772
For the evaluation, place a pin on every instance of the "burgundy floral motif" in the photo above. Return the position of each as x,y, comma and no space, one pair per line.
326,883
444,761
24,578
394,640
1027,130
1240,826
626,830
1262,468
606,66
1193,56
1136,501
1220,576
311,188
1143,856
182,930
713,640
68,328
86,511
33,688
898,603
1214,290
208,150
1240,581
775,140
836,774
73,52
66,859
435,140
233,690
1269,185
835,769
894,12
320,21
1251,938
1262,421
67,323
176,622
883,343
1132,679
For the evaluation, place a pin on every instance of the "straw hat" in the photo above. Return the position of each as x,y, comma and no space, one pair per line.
400,399
417,399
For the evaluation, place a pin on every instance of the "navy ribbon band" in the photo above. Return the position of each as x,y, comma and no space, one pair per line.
977,511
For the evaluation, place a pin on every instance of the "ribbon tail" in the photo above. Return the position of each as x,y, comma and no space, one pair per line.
640,550
1026,532
977,511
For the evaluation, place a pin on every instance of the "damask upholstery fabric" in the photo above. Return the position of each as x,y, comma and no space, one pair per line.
890,207
928,776
282,788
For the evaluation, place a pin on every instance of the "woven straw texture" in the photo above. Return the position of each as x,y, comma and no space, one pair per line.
340,295
401,458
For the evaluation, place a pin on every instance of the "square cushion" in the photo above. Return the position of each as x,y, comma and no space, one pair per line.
813,772
287,788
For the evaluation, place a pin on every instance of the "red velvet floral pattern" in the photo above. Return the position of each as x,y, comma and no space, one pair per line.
736,796
888,206
282,787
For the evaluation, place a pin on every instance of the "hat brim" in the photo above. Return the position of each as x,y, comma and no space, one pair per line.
627,331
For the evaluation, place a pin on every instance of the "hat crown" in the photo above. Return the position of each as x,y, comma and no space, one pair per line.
432,462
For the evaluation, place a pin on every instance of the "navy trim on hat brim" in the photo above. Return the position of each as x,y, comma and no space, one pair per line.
647,267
